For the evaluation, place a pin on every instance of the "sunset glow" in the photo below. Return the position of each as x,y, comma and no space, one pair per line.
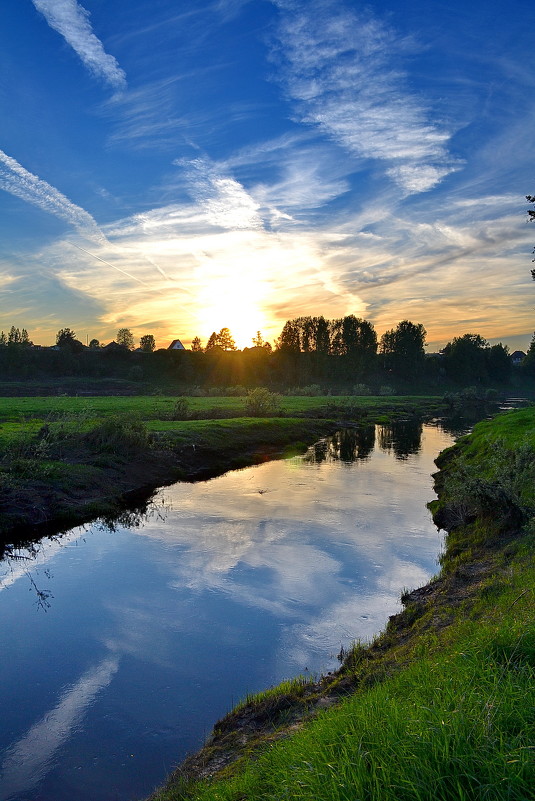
238,164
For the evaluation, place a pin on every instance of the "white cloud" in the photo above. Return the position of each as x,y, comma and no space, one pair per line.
27,760
223,200
16,180
339,69
71,20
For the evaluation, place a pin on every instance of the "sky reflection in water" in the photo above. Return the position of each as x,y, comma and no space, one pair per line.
227,587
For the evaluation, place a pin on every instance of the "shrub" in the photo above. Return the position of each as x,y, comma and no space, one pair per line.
387,390
119,435
260,402
181,410
236,392
361,389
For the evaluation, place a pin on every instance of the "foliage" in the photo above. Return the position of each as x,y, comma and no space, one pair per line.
122,436
147,343
181,410
223,340
196,345
260,402
528,364
403,349
531,217
125,338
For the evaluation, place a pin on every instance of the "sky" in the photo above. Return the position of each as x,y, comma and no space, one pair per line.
179,166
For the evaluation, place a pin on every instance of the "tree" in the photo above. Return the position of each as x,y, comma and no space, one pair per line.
499,365
355,339
147,343
213,341
225,340
222,340
531,216
65,337
322,338
196,345
528,364
465,359
125,338
289,338
403,347
94,344
260,342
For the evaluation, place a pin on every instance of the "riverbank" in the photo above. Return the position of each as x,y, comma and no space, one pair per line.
439,706
66,461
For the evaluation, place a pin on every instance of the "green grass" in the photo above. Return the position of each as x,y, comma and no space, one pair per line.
457,725
22,417
155,407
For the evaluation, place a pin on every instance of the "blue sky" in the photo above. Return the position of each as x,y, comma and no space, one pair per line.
175,167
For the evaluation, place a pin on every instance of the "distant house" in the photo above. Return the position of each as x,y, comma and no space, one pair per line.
176,344
517,357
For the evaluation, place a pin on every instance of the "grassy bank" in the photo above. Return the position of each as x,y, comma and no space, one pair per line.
440,705
67,460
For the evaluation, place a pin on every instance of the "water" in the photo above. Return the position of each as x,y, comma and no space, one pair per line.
121,648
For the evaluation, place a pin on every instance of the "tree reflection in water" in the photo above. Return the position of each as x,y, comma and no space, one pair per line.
27,558
403,437
347,445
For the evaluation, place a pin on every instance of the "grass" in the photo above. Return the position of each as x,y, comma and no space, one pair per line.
440,707
155,407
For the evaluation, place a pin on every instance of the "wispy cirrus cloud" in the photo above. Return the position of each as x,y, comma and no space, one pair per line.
18,181
71,20
224,201
338,68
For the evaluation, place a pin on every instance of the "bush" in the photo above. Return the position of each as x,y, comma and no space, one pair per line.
362,389
236,392
387,390
309,391
181,410
260,402
119,436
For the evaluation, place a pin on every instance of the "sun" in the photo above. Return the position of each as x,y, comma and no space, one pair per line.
234,302
232,291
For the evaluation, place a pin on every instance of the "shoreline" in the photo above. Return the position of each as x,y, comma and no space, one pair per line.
42,508
62,473
479,561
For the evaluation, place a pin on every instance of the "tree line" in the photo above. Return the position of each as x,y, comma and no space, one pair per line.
339,354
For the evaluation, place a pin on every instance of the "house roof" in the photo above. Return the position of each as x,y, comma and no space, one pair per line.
176,344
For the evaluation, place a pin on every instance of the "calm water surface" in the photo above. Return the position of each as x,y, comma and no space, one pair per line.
121,648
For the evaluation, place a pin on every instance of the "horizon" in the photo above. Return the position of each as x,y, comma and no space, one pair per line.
182,168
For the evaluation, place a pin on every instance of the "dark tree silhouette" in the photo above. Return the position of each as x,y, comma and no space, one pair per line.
65,336
531,216
125,338
147,343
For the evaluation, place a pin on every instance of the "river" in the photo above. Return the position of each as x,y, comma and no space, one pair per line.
122,644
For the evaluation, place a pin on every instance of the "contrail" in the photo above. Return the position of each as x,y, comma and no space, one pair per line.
133,277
